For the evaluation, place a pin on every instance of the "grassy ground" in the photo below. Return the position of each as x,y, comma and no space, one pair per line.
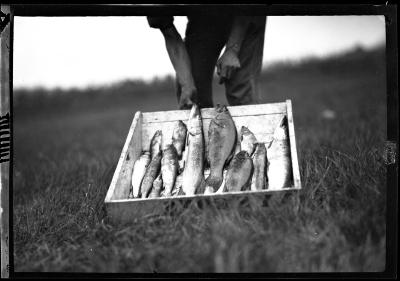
66,150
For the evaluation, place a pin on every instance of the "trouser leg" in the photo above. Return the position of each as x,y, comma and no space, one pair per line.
205,38
242,87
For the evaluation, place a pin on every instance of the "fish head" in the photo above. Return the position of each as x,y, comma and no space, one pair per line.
244,131
194,123
242,155
259,148
194,112
221,108
246,134
156,141
158,134
170,151
181,125
179,130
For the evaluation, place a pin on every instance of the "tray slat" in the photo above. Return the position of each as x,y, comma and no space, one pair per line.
120,183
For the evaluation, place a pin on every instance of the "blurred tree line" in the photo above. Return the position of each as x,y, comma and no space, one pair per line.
28,102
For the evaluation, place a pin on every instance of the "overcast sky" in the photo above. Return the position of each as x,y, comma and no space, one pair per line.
81,51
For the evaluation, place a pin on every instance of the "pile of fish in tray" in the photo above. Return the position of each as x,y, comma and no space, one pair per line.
180,168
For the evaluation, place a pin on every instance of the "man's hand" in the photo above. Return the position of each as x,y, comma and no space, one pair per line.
227,64
187,98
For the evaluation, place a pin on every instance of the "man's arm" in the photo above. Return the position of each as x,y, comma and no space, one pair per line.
179,57
229,61
181,62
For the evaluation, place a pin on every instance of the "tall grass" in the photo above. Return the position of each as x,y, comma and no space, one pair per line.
65,156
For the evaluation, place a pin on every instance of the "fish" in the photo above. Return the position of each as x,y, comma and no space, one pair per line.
221,146
279,168
152,172
156,143
247,140
179,137
156,189
139,169
259,164
192,175
239,172
169,168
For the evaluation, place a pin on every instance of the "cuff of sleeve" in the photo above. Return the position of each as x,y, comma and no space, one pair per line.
160,22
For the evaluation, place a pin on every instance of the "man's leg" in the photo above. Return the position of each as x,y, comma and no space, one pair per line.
242,87
205,38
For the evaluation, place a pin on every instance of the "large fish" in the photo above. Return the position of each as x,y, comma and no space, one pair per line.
221,145
260,165
193,177
280,167
169,168
179,137
239,172
152,172
247,140
139,169
157,185
156,143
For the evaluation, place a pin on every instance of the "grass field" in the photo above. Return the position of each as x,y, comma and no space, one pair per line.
66,147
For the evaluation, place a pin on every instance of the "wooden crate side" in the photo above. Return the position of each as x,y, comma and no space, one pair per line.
120,183
140,134
293,150
209,113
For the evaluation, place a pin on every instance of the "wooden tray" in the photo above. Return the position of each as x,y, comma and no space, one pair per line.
261,119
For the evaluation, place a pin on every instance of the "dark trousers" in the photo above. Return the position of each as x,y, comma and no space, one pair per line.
205,38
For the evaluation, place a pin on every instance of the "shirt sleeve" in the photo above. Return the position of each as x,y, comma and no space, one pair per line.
160,22
259,21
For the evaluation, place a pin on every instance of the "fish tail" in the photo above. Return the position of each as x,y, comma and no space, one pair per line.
214,182
181,192
202,186
283,121
208,190
167,190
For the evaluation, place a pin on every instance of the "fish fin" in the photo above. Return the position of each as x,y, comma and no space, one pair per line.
230,157
181,192
216,124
